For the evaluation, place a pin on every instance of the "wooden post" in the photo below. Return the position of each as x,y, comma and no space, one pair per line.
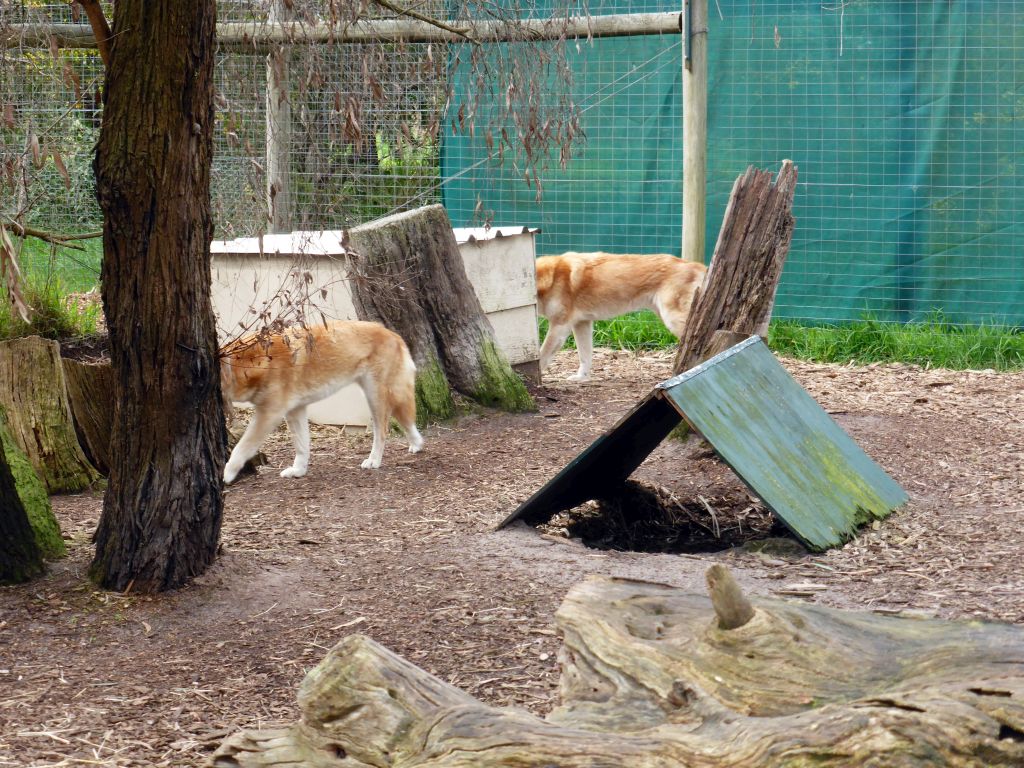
739,290
695,127
279,127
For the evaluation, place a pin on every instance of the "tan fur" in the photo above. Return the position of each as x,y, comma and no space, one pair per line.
282,375
575,289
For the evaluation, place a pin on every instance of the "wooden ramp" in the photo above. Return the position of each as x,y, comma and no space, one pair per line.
779,441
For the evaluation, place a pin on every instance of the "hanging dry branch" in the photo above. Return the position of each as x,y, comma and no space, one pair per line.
10,276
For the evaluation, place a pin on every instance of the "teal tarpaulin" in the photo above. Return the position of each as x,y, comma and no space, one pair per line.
906,120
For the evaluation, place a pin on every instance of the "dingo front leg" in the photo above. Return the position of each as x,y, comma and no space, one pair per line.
262,424
583,334
298,426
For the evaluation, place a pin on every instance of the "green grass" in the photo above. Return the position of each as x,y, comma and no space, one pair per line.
49,274
638,330
933,343
77,271
53,315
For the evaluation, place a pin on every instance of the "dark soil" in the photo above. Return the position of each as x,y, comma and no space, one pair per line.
408,555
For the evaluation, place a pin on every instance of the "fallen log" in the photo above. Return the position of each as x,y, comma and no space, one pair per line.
406,272
653,677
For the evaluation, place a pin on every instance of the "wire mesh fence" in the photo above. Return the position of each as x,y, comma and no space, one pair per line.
906,121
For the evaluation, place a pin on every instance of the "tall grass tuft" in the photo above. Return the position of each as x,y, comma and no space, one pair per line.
55,315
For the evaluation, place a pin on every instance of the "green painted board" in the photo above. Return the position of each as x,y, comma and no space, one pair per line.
783,445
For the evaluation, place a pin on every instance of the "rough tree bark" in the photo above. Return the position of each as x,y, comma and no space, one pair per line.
20,558
90,394
739,290
34,396
406,272
651,677
162,510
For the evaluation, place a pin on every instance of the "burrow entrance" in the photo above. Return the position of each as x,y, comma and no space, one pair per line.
641,517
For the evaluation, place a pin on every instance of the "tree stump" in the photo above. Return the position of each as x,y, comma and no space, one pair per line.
650,677
32,496
34,395
406,272
20,558
739,290
91,397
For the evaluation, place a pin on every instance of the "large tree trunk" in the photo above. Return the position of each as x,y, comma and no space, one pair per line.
655,677
20,558
34,396
162,510
407,273
739,291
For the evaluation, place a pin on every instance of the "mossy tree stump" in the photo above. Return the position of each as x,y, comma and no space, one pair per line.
20,556
34,395
32,496
653,676
406,272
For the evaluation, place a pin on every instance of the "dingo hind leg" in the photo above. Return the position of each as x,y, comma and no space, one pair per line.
380,416
554,340
298,427
264,421
583,335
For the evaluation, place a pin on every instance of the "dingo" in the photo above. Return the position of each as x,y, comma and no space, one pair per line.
284,374
575,289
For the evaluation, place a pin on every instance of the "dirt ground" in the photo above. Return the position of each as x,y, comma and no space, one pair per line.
408,555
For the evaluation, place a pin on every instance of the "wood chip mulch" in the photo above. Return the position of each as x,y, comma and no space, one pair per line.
408,555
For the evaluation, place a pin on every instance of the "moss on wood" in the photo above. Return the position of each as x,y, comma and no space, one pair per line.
500,386
33,496
434,400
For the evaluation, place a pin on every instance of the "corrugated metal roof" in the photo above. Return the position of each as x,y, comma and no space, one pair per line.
328,242
312,243
475,234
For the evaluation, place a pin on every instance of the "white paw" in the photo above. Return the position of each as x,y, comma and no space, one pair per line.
293,472
370,463
416,447
229,475
580,376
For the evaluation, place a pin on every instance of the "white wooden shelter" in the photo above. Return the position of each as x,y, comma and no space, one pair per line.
248,273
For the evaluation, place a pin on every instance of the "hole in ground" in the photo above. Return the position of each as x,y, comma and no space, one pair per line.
639,517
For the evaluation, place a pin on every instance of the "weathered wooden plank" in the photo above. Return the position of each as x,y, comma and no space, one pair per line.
783,445
605,464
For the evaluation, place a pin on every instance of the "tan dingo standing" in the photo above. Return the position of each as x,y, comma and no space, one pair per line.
575,289
289,371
